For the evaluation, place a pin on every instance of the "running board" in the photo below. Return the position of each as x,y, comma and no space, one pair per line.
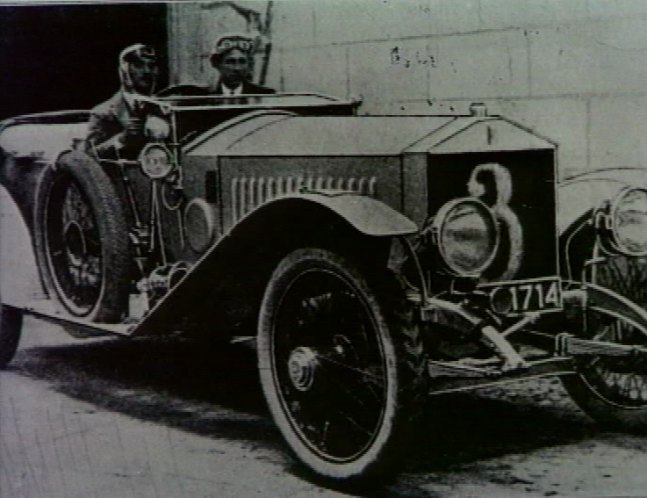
46,309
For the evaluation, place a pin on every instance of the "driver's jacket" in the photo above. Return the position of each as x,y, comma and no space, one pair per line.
107,125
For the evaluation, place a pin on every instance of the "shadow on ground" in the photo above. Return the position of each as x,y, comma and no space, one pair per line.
170,381
216,393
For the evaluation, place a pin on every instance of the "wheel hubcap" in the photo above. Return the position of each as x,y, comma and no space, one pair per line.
302,365
330,370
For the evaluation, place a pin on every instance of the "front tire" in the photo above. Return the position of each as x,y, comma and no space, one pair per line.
341,364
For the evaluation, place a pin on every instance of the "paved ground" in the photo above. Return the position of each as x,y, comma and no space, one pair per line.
53,445
161,418
110,418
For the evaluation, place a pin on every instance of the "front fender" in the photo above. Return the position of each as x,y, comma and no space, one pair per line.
365,214
242,260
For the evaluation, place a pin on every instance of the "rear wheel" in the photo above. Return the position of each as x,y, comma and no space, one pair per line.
613,390
10,331
341,364
82,239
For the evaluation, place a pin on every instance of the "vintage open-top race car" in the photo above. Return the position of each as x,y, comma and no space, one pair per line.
377,259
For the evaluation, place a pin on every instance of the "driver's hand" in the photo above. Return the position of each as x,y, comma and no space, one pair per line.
156,128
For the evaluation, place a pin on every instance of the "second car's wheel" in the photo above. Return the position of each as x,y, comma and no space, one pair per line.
81,239
613,390
10,330
341,364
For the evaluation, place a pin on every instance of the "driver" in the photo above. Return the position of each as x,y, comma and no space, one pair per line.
117,125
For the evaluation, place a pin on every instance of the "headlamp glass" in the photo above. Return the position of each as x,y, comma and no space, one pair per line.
156,161
629,221
467,236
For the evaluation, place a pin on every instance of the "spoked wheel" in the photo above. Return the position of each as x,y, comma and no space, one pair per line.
74,246
342,368
625,275
613,390
82,239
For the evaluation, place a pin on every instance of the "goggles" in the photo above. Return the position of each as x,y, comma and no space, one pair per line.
225,44
138,51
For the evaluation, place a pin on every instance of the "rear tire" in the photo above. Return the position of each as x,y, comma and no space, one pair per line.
81,239
341,364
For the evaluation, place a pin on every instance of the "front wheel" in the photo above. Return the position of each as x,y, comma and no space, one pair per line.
613,390
341,364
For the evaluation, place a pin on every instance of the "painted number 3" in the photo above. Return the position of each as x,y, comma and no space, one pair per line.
492,183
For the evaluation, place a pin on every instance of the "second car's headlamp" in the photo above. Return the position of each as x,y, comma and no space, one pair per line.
626,222
466,235
156,161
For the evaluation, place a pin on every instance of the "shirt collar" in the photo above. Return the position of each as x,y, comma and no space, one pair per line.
232,91
129,97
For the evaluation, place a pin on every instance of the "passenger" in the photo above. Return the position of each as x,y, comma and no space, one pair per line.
117,125
232,57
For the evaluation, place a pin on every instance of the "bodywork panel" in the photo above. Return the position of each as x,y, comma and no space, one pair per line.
247,182
213,271
335,136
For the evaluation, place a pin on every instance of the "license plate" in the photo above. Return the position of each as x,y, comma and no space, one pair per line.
524,296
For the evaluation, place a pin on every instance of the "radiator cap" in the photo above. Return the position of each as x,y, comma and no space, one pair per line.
478,109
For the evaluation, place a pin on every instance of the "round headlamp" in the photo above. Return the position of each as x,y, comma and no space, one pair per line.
466,235
156,161
628,221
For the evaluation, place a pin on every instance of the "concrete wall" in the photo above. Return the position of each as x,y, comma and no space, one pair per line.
573,70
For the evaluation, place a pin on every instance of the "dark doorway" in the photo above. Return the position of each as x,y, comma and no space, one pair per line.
55,57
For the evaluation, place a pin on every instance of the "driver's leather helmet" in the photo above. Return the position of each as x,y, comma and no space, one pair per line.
138,69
